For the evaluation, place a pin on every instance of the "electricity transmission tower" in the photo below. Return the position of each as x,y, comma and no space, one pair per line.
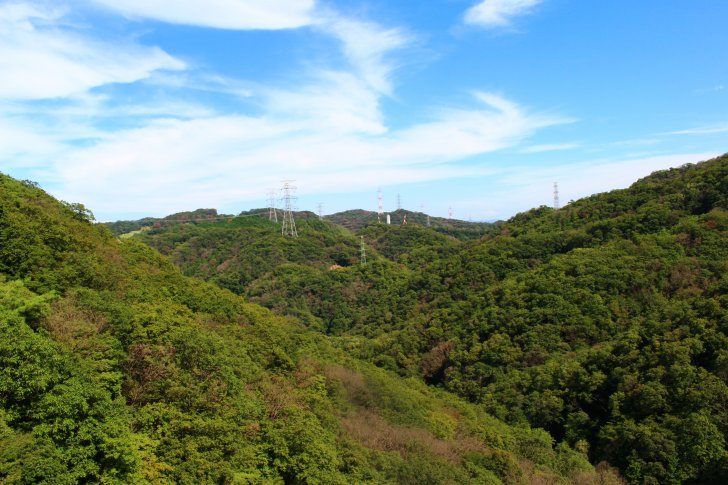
379,205
556,195
363,252
272,213
289,225
399,202
449,212
320,211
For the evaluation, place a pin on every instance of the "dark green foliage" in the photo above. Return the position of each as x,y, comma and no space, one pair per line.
411,245
58,421
603,322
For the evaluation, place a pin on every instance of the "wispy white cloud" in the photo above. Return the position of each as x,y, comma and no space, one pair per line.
498,13
713,89
39,60
496,123
220,14
549,147
366,45
25,144
702,130
344,99
638,142
335,101
203,82
163,152
224,159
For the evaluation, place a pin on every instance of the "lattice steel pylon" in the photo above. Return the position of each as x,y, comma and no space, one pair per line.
363,258
422,209
556,195
272,213
289,225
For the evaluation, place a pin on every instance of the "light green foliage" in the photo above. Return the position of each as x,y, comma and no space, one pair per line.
58,423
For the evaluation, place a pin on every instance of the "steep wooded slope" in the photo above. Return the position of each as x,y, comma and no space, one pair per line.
604,322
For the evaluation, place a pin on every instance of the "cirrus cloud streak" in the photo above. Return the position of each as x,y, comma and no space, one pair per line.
220,14
41,60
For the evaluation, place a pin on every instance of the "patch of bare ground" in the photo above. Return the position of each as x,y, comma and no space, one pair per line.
374,432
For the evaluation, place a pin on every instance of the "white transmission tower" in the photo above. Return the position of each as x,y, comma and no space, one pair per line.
272,213
289,225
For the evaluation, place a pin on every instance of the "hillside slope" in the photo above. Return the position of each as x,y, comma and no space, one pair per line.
235,252
604,322
318,277
114,367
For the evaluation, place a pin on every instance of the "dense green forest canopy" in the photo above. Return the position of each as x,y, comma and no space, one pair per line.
117,368
603,323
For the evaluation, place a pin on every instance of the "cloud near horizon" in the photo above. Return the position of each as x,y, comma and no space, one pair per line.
221,160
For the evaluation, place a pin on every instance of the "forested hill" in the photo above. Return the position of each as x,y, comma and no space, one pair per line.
116,368
125,227
603,322
235,252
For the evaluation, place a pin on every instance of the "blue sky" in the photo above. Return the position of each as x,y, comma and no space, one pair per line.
148,107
